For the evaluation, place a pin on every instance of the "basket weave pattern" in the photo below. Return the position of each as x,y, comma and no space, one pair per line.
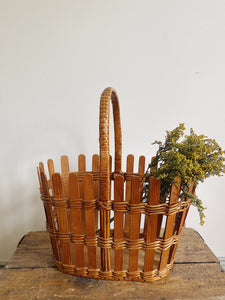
78,209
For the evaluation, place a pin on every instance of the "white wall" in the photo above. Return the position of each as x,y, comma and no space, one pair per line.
165,59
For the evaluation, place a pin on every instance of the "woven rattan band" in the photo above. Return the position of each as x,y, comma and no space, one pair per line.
104,205
160,209
89,204
104,242
119,206
75,204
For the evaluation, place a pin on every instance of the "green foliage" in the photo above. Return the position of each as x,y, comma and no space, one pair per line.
191,157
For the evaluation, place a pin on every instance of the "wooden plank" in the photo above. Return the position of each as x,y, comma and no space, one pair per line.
129,169
170,222
90,220
74,196
191,249
33,258
193,281
152,224
62,220
134,227
118,221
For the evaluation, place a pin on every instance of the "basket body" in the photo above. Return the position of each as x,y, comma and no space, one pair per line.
78,207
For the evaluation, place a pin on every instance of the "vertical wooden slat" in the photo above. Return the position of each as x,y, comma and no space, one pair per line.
51,168
141,171
179,225
49,213
65,171
134,227
76,218
141,165
152,221
81,163
118,221
41,167
61,211
95,168
65,164
81,169
47,206
146,218
169,229
90,220
39,179
129,169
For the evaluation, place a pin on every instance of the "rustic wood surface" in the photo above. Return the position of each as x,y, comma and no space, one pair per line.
31,274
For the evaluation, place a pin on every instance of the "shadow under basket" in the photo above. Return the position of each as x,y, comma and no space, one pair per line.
95,237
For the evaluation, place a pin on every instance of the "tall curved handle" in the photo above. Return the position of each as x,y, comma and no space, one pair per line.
107,95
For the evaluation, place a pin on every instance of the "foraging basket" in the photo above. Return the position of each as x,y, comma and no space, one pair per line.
78,209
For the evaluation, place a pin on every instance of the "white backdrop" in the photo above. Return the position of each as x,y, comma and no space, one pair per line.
164,58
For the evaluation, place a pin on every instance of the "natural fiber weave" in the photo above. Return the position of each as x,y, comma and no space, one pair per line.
78,208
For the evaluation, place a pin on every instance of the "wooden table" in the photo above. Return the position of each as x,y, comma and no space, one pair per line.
31,274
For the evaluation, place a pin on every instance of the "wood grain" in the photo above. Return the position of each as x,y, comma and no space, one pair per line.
170,222
118,221
74,195
134,227
62,220
31,275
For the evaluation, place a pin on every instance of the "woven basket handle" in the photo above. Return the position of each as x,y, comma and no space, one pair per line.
108,93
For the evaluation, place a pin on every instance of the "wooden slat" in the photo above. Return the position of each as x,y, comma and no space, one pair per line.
95,168
169,229
49,214
48,208
134,227
51,168
65,164
82,168
141,165
118,221
74,196
41,167
146,218
152,221
81,163
129,169
65,171
61,212
95,163
90,220
39,179
179,225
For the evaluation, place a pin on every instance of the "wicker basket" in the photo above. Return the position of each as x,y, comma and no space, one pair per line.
78,209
